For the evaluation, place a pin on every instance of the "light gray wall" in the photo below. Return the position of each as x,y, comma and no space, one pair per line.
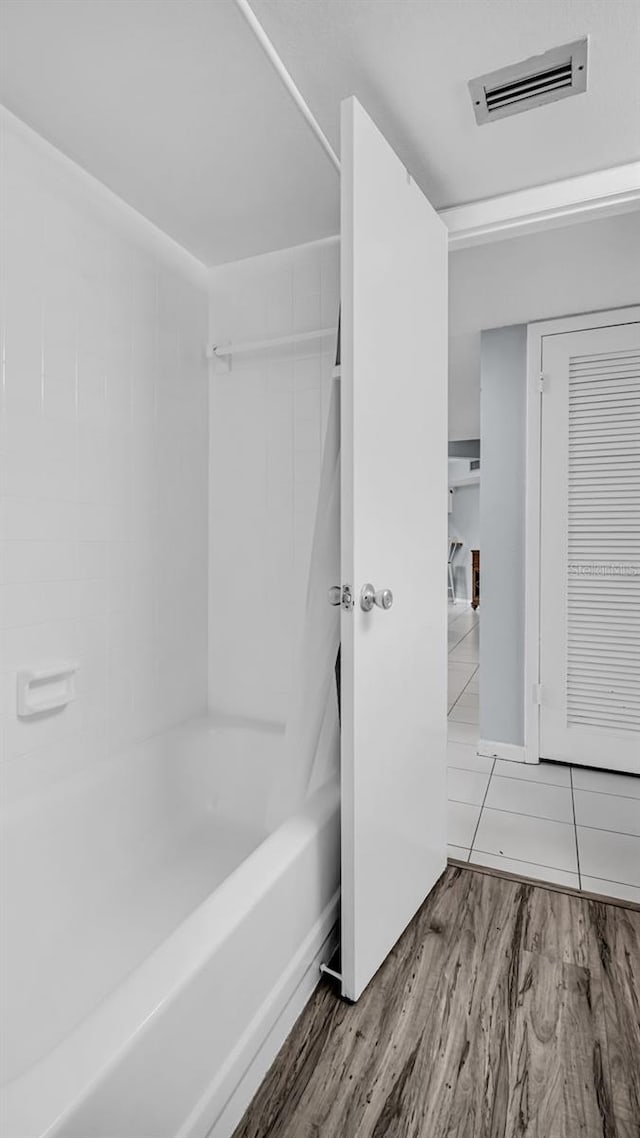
464,526
503,368
578,268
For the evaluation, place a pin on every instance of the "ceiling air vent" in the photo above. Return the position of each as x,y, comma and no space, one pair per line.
558,73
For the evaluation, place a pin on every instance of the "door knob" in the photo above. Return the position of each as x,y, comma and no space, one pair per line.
369,597
341,595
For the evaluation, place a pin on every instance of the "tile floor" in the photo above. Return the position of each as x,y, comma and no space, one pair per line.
569,825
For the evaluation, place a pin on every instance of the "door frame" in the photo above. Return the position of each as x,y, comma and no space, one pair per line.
533,513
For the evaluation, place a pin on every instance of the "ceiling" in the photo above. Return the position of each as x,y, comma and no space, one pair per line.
172,104
408,62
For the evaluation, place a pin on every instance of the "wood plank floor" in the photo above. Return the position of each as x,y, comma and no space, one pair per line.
506,1010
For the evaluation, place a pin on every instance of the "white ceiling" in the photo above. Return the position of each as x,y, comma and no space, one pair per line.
173,105
408,62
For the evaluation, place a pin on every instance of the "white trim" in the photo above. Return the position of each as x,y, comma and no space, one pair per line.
552,205
535,334
533,407
244,7
510,751
225,1100
601,194
135,224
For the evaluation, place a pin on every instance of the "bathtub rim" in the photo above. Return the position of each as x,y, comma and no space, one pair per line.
40,1100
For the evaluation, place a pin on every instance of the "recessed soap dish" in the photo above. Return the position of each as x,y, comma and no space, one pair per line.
49,686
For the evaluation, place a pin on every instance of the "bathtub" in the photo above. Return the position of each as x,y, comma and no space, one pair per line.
157,943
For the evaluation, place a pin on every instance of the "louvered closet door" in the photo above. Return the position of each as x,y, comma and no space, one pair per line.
590,548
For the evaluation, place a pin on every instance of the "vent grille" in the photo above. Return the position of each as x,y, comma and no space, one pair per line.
542,79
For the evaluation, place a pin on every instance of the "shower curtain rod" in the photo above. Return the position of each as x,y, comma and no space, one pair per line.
220,351
265,43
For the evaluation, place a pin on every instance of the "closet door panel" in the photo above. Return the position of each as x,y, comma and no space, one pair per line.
590,548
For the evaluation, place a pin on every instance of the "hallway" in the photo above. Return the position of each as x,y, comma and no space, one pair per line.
569,825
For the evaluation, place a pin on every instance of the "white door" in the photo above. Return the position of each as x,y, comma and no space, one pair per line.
394,536
590,548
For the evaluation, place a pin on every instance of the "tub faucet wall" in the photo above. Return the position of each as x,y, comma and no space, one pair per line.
103,465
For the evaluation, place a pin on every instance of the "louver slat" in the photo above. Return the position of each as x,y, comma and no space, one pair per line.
552,80
603,597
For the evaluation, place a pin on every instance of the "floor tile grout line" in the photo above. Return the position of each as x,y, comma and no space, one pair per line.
475,832
575,828
462,801
463,690
608,793
469,694
462,639
613,880
540,817
453,646
459,644
468,770
529,781
467,612
607,830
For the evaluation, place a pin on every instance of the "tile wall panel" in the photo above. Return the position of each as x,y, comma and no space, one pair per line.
103,469
267,421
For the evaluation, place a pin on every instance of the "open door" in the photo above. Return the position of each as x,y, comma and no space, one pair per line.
394,537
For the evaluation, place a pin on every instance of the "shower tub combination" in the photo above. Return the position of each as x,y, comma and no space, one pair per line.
160,941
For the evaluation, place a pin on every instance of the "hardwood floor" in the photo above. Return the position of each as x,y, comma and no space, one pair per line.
506,1010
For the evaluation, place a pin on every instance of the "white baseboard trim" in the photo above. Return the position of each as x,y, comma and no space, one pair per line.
510,751
251,1059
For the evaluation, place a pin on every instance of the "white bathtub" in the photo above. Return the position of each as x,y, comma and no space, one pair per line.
156,942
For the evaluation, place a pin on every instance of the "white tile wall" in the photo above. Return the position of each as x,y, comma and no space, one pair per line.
267,418
103,466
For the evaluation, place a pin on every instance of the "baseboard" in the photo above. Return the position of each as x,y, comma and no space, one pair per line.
510,751
552,886
253,1056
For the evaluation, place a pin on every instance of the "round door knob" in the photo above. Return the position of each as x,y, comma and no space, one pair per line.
384,598
369,597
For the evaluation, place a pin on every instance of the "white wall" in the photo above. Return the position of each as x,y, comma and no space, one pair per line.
267,418
464,526
103,465
579,268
